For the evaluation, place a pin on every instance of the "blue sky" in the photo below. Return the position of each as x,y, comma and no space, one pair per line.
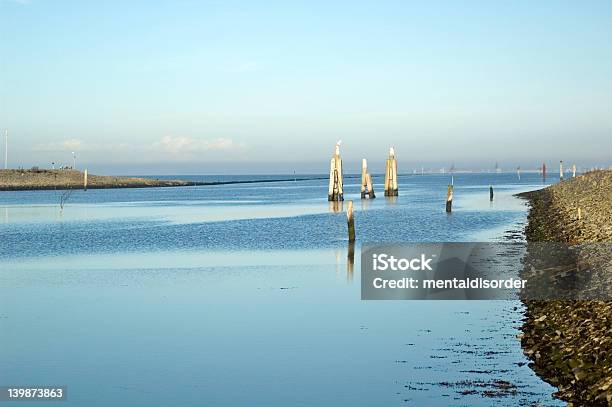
148,86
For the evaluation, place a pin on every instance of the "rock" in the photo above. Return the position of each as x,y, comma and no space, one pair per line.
570,341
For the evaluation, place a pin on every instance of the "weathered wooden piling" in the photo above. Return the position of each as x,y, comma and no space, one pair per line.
561,170
350,221
85,180
367,191
335,192
391,174
370,186
449,198
491,193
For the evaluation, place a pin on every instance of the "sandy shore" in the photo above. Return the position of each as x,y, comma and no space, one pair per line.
570,342
11,180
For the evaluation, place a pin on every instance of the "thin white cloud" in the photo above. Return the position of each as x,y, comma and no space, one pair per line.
65,145
20,2
178,145
175,145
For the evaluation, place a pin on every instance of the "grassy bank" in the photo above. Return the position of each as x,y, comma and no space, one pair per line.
11,180
570,342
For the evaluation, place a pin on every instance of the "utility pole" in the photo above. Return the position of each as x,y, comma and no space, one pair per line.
5,149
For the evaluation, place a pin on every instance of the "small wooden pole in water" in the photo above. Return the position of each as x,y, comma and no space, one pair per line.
491,193
85,180
335,192
561,170
449,199
350,221
391,174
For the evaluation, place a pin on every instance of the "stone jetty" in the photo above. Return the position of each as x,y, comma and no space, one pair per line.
570,341
12,180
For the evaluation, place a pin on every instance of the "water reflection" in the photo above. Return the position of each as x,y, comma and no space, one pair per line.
336,206
338,256
350,261
365,204
392,200
175,212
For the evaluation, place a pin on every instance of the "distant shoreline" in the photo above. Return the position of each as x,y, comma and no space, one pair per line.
33,180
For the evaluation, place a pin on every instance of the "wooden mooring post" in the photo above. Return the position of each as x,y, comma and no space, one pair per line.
371,186
449,198
367,190
85,180
391,174
335,192
350,221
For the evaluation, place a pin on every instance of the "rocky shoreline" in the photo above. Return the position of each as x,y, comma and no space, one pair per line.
570,341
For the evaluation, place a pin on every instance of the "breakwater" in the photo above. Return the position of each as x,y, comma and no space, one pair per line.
570,341
16,180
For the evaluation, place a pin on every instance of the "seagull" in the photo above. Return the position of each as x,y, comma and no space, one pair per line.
337,150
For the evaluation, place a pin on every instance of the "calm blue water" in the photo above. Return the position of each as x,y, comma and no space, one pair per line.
241,295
